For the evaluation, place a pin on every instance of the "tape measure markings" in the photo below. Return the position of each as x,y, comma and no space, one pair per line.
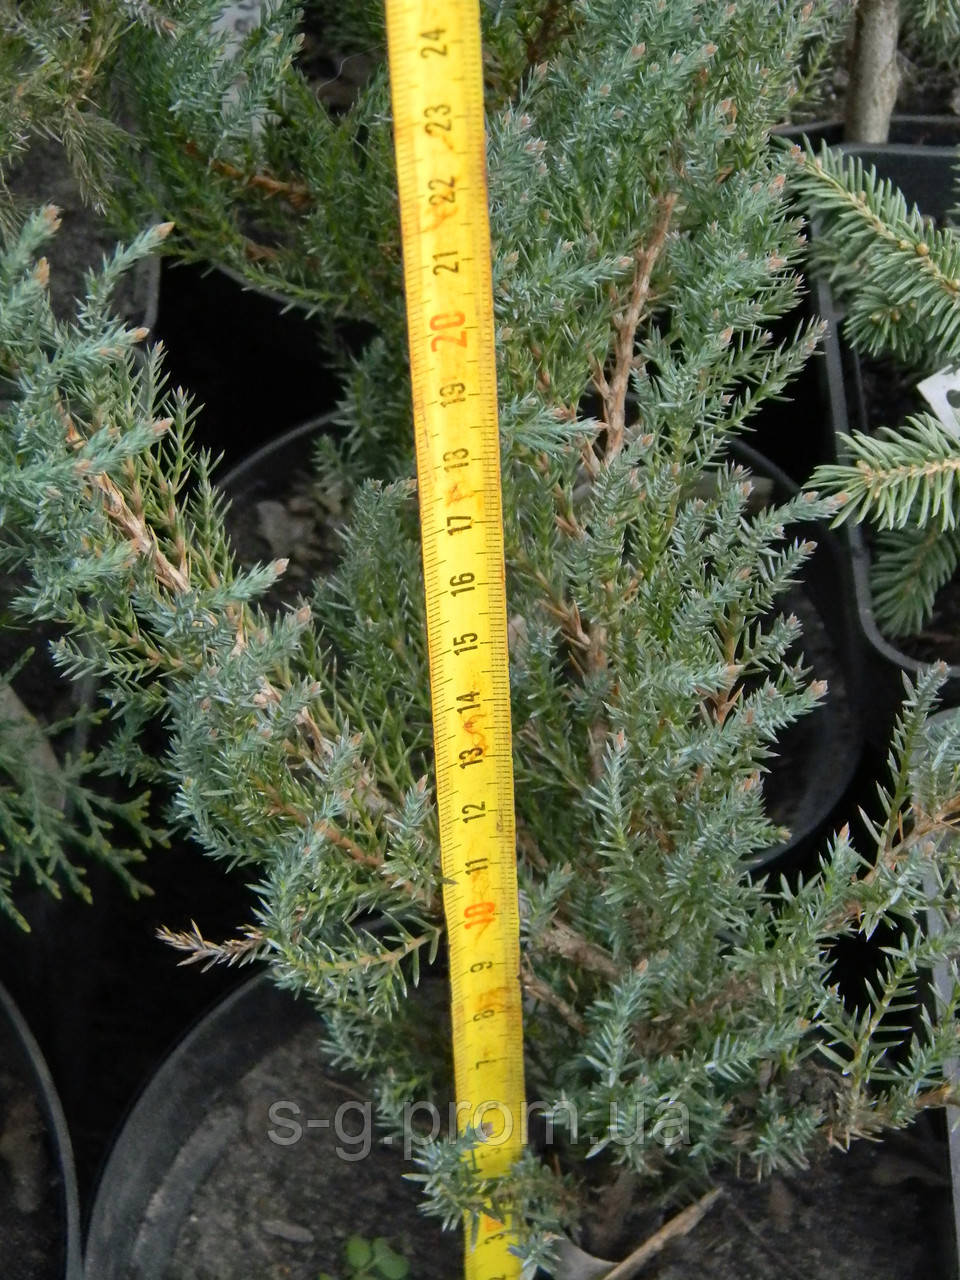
437,92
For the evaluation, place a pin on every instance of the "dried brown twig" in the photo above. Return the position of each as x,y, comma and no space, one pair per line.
199,950
541,990
680,1225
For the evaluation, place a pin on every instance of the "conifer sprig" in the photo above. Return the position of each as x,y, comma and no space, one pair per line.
59,63
56,816
898,281
643,247
896,274
907,483
898,477
938,17
909,567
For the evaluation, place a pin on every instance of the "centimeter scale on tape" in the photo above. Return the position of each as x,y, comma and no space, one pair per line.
437,94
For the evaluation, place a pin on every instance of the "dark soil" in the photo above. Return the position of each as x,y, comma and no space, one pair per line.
939,641
889,394
32,1212
882,1211
262,1188
280,511
270,1210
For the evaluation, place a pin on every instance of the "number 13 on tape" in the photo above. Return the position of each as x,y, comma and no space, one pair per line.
437,93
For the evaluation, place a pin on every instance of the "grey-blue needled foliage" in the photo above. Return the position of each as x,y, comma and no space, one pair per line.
642,248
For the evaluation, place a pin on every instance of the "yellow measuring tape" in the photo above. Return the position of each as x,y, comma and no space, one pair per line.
437,91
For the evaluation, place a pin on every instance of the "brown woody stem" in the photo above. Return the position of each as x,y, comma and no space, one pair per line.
561,940
613,390
295,193
540,990
681,1225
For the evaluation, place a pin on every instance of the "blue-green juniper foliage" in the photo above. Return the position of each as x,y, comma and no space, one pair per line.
642,248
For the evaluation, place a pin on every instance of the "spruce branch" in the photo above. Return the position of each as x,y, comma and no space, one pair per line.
899,280
909,476
940,17
898,276
906,482
909,567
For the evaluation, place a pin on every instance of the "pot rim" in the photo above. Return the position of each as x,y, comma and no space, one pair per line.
172,1102
247,467
58,1131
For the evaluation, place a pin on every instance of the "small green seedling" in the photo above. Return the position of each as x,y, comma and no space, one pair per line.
371,1260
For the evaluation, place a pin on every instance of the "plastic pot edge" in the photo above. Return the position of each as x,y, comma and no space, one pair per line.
59,1134
234,477
170,1106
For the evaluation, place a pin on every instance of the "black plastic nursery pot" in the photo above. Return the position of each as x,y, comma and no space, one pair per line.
924,174
914,131
245,1158
257,368
39,1205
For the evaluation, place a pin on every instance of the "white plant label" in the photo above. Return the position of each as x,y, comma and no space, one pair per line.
942,393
